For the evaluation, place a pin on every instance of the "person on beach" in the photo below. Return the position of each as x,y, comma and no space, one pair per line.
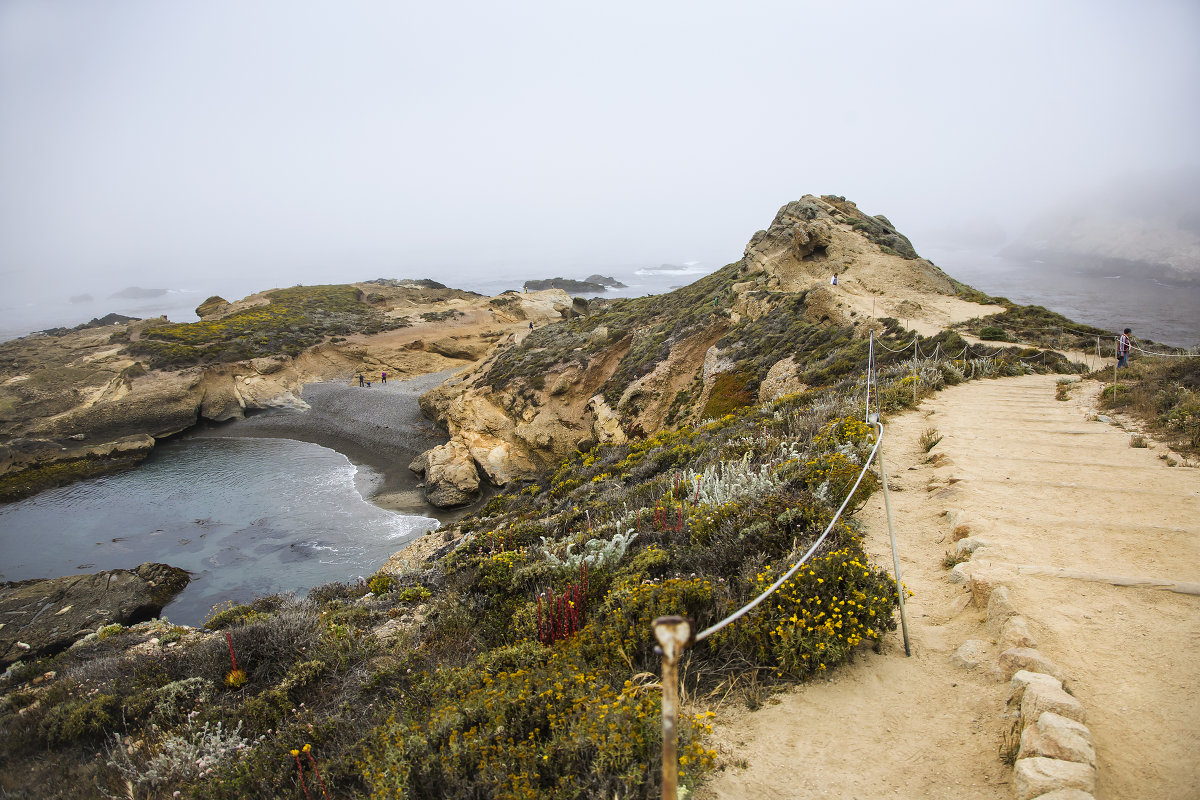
383,377
833,280
360,380
1123,344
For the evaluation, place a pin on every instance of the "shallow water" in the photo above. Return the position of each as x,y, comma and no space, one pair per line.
245,516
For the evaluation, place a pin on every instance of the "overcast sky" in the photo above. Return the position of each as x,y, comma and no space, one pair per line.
218,145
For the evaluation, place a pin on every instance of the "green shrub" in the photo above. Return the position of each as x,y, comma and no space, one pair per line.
991,333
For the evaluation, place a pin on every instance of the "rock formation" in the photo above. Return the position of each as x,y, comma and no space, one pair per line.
79,403
43,617
589,391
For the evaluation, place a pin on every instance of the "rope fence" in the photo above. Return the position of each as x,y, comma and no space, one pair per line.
674,633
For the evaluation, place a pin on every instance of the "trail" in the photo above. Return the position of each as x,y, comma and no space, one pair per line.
1101,544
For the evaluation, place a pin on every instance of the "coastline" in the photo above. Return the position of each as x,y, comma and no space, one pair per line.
380,427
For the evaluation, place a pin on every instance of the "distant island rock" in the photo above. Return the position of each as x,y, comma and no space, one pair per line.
81,298
593,284
136,293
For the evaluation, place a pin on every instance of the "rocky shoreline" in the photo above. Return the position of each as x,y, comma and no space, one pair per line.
44,617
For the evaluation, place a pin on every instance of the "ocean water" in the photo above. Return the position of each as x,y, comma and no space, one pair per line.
245,516
1164,312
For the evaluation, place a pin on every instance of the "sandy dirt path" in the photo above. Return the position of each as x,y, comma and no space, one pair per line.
1101,545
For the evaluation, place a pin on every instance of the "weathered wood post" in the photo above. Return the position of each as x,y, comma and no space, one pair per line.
673,634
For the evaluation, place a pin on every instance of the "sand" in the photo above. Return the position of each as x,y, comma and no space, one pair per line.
381,427
1102,541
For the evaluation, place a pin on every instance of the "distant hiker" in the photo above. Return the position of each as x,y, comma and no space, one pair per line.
833,280
1123,344
360,380
383,377
531,326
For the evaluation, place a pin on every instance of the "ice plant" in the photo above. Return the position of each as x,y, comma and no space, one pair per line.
300,769
236,677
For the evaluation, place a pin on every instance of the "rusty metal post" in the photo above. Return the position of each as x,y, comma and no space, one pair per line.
673,634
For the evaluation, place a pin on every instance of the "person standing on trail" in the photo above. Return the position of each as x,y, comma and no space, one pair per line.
360,380
1124,342
833,280
383,377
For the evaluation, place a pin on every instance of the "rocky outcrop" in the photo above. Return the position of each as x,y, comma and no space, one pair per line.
44,617
28,466
451,478
214,306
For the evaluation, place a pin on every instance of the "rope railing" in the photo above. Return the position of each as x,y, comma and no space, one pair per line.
1162,355
746,609
674,634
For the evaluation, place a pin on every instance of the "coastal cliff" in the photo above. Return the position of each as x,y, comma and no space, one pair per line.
744,334
82,402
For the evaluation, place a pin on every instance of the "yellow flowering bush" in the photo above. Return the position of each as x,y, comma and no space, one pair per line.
819,614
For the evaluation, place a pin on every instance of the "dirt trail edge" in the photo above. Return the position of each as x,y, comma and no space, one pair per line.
1099,545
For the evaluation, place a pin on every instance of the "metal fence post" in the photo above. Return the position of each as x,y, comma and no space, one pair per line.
673,634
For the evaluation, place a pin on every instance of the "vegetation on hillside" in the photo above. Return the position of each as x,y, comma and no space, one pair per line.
295,319
1162,392
1037,326
519,663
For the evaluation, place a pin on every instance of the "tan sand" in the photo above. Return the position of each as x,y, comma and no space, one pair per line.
1074,513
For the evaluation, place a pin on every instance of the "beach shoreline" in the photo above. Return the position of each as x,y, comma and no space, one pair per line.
380,427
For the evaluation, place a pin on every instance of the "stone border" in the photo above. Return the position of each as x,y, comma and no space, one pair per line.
1056,759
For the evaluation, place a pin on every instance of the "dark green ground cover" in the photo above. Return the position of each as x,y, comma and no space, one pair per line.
294,320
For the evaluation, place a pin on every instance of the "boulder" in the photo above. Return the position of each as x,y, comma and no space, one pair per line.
984,578
1056,736
450,476
999,609
1015,633
970,654
212,307
1016,659
1039,698
1037,776
461,349
43,617
809,237
782,379
491,455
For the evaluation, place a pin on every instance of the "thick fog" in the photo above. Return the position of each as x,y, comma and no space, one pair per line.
225,147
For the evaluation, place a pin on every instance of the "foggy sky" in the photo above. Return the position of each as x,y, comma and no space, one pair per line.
219,145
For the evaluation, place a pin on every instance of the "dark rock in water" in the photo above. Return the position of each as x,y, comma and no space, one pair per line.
44,617
604,280
566,284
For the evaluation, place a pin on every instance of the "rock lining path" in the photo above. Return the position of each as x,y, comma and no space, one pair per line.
1099,545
